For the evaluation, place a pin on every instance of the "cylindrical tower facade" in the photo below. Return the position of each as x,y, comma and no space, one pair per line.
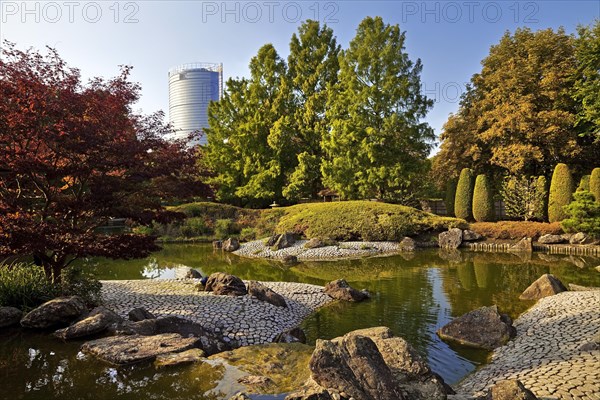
191,89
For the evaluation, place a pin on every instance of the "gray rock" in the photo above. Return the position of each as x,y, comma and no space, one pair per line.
231,244
140,314
524,245
551,239
193,274
313,243
510,389
471,236
122,350
272,240
545,285
483,328
263,293
294,335
341,290
284,241
217,244
408,244
289,259
55,313
581,238
98,320
452,239
185,357
9,316
225,284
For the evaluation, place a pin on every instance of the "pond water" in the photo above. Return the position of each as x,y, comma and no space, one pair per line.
414,295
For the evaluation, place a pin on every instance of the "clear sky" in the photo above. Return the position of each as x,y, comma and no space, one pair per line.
450,37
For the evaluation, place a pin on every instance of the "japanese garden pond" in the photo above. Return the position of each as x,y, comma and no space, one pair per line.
413,294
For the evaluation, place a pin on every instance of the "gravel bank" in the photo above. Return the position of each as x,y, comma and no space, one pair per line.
257,249
545,355
243,318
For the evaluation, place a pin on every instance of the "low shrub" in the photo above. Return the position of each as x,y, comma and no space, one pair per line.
584,183
194,227
583,215
515,229
77,282
24,286
225,227
248,234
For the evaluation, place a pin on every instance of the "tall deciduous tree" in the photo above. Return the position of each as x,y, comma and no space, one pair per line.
377,145
587,85
312,68
73,156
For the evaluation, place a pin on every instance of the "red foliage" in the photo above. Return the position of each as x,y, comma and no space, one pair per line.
73,156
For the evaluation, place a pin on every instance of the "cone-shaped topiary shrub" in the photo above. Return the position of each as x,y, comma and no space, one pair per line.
449,198
483,200
561,193
463,202
541,199
584,183
595,184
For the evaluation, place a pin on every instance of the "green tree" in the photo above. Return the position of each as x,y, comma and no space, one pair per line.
587,85
595,183
377,145
313,67
518,115
561,191
583,215
483,200
463,203
450,194
524,198
584,183
541,201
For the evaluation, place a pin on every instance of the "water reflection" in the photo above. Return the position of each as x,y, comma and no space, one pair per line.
413,295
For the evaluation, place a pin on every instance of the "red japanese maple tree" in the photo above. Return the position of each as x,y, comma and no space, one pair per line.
73,156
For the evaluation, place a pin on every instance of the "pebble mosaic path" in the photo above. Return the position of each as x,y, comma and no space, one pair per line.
257,249
545,355
243,318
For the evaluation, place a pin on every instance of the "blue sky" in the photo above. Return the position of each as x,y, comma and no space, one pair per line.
450,37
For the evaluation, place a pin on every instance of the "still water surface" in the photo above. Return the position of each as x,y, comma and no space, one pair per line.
414,295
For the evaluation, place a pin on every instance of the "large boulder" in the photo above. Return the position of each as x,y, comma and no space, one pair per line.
408,244
55,313
284,241
140,314
545,285
524,245
98,320
225,284
231,244
263,293
9,316
341,290
193,274
369,364
551,239
471,236
510,389
451,239
122,350
185,357
581,238
483,328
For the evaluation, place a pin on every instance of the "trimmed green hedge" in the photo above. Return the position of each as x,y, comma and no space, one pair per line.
449,198
595,184
483,200
463,203
361,220
584,184
561,193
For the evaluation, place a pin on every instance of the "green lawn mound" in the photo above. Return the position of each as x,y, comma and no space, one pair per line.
361,220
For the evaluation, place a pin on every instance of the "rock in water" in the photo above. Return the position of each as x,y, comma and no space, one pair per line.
263,293
524,245
140,314
122,350
217,244
185,357
452,239
471,236
98,320
580,238
9,316
294,335
510,389
341,290
290,259
408,244
369,364
55,313
483,328
284,241
225,284
551,239
231,244
545,285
